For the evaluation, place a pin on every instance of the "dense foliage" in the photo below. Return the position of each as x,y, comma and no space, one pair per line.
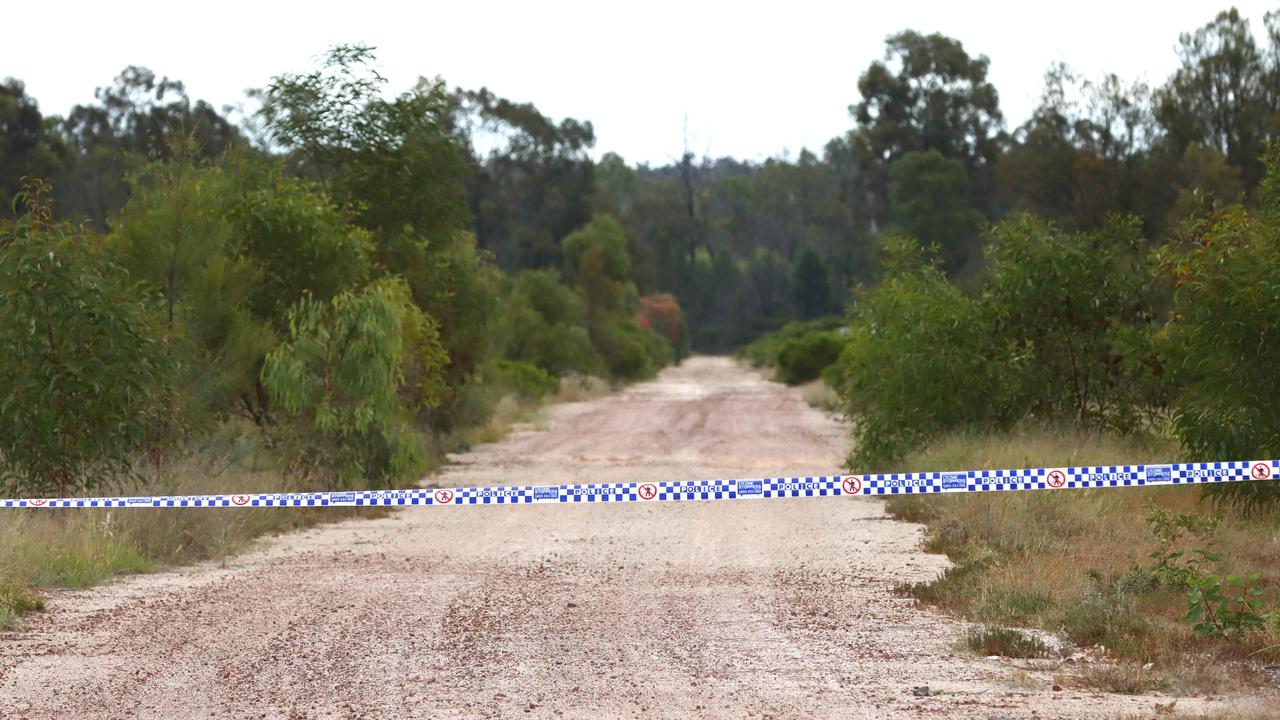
84,367
473,247
1220,340
328,286
342,373
922,360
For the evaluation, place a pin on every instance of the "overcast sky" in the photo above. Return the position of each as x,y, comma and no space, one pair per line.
754,80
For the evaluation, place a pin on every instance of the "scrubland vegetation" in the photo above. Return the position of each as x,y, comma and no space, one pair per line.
1127,338
1092,348
345,289
313,316
1061,330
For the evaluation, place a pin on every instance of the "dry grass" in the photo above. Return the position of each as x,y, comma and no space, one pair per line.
45,549
1266,709
820,395
506,414
1075,562
513,410
579,388
77,548
42,549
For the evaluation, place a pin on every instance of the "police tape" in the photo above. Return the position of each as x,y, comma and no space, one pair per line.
685,490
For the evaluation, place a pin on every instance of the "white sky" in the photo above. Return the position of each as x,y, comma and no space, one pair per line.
754,79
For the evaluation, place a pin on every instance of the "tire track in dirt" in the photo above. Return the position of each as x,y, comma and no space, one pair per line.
717,610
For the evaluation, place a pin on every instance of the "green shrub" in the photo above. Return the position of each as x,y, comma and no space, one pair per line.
1064,301
396,166
632,352
763,352
1056,330
84,369
805,358
528,381
230,251
341,377
920,361
300,239
457,286
1005,642
546,326
1222,337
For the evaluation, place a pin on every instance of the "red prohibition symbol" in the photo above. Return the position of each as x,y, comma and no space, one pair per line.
444,497
1057,479
852,485
37,503
648,492
1261,471
240,499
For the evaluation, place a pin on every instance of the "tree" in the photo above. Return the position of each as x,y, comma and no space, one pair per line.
546,326
297,238
176,238
809,285
29,145
138,119
396,165
1205,181
597,264
927,94
399,167
230,251
1225,270
1065,302
929,201
1216,97
535,184
342,377
1080,157
769,282
598,267
82,361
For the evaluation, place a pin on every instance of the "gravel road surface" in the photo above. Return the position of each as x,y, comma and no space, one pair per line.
781,608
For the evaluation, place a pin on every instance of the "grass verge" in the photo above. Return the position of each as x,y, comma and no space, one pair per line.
1078,563
43,549
513,409
818,394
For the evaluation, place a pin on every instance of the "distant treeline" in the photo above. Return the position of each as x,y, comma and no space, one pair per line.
745,247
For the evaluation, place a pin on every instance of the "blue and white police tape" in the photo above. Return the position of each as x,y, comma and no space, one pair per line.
759,488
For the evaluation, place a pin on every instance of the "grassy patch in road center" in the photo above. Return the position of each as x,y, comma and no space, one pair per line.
1078,562
1005,642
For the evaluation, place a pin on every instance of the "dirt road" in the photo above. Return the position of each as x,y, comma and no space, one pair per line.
731,609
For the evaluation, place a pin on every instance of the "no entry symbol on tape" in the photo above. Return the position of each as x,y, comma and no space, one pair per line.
1261,471
648,492
852,485
37,503
444,497
240,499
1057,478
